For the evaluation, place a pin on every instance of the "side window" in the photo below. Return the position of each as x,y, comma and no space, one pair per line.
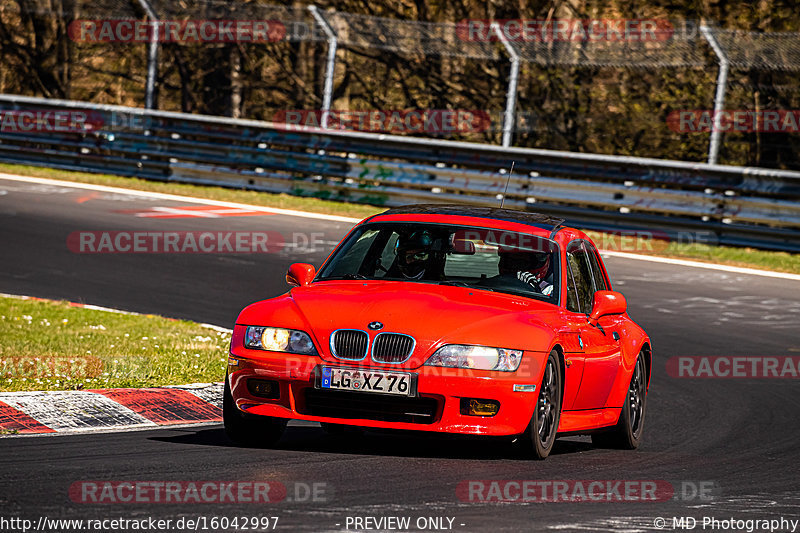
572,291
581,272
597,271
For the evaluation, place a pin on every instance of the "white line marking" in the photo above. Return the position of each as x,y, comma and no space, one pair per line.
188,212
698,264
196,386
220,329
106,309
178,198
160,212
335,218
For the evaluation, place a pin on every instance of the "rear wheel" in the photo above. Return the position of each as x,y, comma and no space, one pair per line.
247,429
539,437
627,434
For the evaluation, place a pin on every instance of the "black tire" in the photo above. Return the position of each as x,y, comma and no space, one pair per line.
342,430
246,429
627,433
540,435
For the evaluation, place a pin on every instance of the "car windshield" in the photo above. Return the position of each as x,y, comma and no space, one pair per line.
480,258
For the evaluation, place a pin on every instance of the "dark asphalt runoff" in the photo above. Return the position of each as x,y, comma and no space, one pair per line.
730,448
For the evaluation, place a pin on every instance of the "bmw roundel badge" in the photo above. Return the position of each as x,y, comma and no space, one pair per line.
375,325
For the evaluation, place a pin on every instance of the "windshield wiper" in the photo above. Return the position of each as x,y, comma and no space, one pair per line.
347,276
467,285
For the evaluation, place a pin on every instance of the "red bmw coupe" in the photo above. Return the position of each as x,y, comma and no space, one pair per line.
453,319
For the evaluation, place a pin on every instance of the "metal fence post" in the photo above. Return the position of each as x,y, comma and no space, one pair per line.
152,58
719,97
329,69
511,94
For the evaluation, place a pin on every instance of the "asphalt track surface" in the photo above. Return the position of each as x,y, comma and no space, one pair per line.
741,436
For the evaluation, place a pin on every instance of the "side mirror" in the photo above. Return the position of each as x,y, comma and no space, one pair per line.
300,274
463,247
607,303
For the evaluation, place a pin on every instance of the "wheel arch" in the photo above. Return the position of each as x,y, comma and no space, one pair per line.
648,360
563,367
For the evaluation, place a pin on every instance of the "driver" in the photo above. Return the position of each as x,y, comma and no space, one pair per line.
532,268
413,252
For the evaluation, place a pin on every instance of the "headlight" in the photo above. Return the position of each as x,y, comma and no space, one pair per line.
279,340
477,357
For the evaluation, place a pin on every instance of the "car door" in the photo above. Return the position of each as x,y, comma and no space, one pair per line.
601,349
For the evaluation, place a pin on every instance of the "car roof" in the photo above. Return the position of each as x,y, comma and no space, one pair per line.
547,223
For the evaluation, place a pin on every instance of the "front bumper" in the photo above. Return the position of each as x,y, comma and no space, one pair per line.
436,407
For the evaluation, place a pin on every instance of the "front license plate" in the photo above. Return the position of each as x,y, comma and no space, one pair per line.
395,383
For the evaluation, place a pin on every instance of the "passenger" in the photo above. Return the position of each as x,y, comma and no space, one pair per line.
531,268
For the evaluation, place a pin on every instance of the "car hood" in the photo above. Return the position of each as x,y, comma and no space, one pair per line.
432,314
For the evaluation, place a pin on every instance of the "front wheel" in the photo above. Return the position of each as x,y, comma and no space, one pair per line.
539,437
246,429
627,434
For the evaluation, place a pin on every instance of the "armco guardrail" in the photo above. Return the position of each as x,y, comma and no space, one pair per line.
730,205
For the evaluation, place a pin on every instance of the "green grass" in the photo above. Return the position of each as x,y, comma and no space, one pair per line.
55,346
745,257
